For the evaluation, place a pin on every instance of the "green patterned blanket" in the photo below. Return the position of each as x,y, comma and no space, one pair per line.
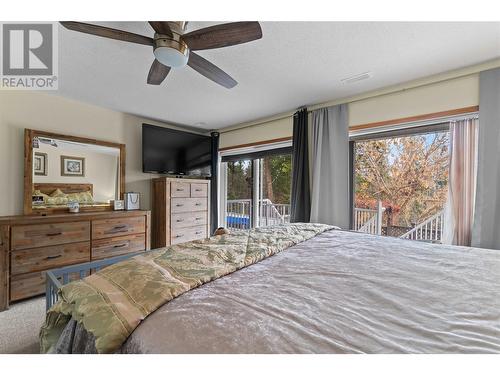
112,303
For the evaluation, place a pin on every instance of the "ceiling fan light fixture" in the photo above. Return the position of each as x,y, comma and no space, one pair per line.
171,57
172,46
173,53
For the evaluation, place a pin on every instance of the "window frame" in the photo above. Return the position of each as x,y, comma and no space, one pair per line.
251,153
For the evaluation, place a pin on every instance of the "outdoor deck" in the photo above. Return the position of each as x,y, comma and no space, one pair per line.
239,216
239,213
370,221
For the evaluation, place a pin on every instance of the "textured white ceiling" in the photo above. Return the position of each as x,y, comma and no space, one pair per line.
294,64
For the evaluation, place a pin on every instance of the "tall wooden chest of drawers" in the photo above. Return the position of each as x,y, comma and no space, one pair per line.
180,210
31,245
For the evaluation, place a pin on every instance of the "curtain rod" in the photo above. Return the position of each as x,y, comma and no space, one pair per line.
278,117
413,124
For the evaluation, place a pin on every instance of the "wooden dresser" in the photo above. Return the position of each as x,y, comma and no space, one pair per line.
31,245
180,210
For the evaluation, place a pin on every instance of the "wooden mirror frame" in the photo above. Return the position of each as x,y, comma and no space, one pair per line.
29,135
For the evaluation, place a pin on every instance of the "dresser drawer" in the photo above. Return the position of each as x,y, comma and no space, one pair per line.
32,284
180,189
189,234
110,247
188,204
108,228
28,285
189,219
46,258
199,190
40,235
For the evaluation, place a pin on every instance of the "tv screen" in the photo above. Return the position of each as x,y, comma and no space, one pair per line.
174,152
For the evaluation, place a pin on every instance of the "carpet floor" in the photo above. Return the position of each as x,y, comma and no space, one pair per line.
19,326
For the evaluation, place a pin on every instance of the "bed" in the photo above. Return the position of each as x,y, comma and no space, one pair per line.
67,192
337,292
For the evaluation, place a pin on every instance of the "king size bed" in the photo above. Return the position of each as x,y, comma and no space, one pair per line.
326,291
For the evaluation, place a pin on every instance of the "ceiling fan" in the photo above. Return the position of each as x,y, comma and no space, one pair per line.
172,48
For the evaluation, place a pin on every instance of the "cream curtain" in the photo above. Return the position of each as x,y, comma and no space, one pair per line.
459,211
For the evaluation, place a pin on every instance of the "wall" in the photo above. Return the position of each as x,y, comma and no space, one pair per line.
434,97
25,109
279,128
28,109
101,169
442,96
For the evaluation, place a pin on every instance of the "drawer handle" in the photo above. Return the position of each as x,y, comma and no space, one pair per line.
122,245
50,257
199,232
180,220
179,189
197,218
119,229
197,204
53,234
179,205
179,236
197,189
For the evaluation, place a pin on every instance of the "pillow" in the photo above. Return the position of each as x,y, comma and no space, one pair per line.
57,200
87,196
57,193
83,197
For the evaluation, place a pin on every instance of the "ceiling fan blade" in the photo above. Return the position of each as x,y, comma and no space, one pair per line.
209,70
227,34
107,32
161,27
157,73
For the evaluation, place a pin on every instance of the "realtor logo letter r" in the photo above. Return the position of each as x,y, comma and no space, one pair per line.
27,49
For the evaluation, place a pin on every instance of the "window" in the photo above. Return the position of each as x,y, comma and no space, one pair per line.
275,189
400,183
255,188
239,194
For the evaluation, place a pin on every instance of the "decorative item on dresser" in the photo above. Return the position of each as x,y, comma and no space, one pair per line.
31,245
181,210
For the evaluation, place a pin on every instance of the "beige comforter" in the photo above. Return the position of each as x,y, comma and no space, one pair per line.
339,292
111,303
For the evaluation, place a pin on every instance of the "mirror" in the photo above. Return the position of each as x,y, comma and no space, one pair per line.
64,172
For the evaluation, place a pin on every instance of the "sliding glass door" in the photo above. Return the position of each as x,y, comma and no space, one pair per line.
239,207
275,189
255,189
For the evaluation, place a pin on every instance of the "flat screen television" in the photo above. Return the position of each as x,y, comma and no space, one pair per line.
175,152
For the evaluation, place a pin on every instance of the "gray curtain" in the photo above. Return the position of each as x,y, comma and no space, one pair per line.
214,197
486,228
301,194
330,166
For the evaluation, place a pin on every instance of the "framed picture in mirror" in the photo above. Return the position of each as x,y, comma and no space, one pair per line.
72,166
40,164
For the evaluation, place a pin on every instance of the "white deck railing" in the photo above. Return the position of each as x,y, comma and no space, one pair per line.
368,220
274,213
429,230
239,213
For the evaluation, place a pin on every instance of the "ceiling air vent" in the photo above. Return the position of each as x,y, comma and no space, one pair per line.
356,78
